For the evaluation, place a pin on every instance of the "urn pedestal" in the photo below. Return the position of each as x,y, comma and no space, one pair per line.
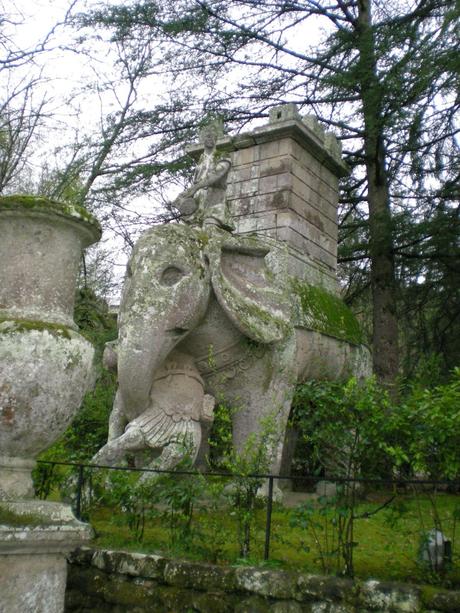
45,369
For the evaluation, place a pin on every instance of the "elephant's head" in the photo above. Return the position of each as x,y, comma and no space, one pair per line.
167,290
165,295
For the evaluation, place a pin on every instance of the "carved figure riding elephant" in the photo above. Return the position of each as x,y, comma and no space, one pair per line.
206,314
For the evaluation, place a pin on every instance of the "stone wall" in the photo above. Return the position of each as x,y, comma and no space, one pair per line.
103,581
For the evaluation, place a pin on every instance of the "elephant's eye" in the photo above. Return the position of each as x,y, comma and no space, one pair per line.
171,276
129,271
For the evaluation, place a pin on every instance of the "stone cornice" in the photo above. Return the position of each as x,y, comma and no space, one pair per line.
322,145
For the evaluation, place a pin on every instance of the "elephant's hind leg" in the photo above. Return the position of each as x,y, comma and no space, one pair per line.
263,392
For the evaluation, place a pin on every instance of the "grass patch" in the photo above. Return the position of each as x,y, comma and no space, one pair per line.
386,538
387,543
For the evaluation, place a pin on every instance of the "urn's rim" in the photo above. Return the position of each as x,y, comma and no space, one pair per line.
16,325
47,206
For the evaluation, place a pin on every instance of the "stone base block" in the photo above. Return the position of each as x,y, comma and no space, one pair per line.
35,538
33,583
16,478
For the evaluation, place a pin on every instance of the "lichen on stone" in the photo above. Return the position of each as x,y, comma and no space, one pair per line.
259,323
324,312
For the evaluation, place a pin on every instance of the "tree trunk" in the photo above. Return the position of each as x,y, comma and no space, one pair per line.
383,284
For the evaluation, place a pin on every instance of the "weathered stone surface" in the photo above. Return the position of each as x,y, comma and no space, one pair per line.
277,584
33,545
32,584
172,421
40,253
441,600
45,365
181,600
131,564
276,164
329,589
195,294
254,604
205,202
200,576
287,606
185,586
304,245
117,593
82,556
290,173
226,288
45,368
112,589
44,373
327,607
382,596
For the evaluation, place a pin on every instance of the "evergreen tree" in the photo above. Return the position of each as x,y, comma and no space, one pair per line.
385,79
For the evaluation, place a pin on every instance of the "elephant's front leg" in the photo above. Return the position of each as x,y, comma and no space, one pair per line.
261,393
114,452
117,419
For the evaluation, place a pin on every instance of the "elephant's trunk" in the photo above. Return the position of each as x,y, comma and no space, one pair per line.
140,355
165,295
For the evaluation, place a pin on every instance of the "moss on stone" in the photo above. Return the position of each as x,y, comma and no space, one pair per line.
12,326
12,517
436,598
24,201
222,153
128,593
179,585
19,520
427,592
321,311
266,582
203,238
255,318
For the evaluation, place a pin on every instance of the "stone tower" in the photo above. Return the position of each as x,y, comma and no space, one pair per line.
284,184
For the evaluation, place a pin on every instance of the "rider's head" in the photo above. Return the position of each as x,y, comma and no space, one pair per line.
210,133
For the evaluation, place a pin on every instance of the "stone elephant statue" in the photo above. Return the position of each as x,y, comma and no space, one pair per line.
208,315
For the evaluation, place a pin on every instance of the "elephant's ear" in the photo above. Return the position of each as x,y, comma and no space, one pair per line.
251,293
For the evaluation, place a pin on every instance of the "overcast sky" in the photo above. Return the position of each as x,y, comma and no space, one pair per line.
72,107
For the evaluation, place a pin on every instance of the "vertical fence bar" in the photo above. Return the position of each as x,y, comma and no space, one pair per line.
79,488
44,488
268,523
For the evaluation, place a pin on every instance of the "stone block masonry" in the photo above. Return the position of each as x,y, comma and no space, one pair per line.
110,581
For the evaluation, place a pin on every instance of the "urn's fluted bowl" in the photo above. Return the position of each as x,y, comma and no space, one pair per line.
44,372
45,364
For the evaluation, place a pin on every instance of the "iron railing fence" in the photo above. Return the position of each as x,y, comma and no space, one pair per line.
453,484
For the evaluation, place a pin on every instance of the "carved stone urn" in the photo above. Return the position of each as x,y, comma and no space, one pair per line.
45,364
